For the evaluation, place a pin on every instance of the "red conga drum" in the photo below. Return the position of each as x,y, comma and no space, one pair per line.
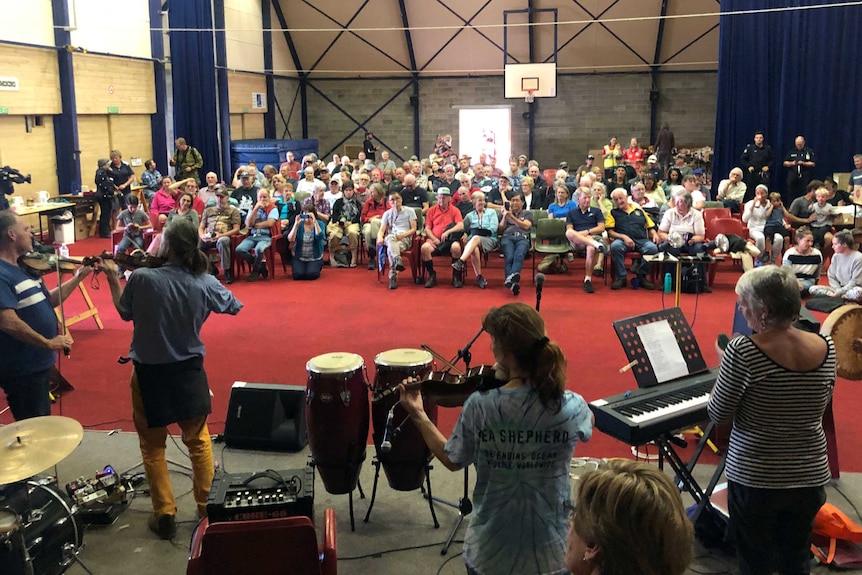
336,409
404,464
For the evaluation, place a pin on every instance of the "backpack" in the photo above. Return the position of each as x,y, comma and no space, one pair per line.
833,537
693,278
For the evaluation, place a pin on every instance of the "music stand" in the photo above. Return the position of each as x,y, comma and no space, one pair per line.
645,375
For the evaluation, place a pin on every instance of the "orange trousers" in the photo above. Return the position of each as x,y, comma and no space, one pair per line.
196,437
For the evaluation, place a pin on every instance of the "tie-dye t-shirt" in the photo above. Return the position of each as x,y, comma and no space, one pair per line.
522,453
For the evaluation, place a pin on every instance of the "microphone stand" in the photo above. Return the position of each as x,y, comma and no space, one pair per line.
464,506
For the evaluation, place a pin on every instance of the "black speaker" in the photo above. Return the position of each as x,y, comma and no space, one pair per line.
266,416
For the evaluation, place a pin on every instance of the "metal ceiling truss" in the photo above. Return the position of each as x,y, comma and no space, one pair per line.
414,98
689,45
344,28
467,24
653,91
611,32
360,125
582,30
297,64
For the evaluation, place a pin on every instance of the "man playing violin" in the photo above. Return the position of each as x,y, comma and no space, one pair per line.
168,306
29,338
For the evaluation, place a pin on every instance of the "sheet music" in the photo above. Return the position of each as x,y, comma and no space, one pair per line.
663,350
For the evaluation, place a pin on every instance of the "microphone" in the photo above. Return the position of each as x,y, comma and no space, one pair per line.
540,282
386,444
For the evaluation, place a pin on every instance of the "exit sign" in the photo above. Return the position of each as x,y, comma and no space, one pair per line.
4,109
113,110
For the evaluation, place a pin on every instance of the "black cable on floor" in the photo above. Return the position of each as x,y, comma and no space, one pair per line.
377,554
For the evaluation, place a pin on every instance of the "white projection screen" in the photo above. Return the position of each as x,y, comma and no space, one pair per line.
485,131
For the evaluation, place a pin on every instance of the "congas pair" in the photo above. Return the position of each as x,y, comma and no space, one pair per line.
405,462
38,532
336,403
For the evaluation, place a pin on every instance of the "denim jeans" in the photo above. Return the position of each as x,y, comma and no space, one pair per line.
618,256
258,243
515,248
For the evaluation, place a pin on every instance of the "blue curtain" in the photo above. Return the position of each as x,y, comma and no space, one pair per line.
194,79
789,73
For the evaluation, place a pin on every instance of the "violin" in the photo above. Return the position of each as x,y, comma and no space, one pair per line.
41,264
451,390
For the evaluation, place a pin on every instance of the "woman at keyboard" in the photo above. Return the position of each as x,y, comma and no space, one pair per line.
774,386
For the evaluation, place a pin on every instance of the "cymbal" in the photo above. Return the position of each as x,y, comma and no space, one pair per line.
33,445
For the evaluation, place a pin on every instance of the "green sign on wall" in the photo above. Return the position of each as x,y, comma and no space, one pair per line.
113,110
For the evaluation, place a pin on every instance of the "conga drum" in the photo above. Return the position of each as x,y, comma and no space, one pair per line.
404,464
336,410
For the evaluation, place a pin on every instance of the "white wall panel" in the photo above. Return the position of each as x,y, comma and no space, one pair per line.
39,27
244,35
119,28
282,63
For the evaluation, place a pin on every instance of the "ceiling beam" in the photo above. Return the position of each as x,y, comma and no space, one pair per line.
611,32
294,55
455,35
656,64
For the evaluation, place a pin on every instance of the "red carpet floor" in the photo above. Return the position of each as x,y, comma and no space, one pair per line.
285,323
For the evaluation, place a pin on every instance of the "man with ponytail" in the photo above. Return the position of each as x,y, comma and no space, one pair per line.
520,437
168,306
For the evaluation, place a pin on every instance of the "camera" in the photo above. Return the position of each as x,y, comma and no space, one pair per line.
342,221
303,217
507,205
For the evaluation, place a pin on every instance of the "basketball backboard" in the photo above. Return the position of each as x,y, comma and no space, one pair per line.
540,79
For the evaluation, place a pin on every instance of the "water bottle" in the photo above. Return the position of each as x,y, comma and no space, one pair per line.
64,251
667,283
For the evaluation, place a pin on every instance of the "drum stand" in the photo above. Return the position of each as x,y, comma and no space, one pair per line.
464,506
376,463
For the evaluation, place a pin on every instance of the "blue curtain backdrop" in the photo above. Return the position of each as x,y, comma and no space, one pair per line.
194,80
789,73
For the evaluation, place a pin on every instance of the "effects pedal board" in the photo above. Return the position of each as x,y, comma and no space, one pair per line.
265,495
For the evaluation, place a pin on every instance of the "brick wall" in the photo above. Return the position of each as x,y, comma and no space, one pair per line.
583,116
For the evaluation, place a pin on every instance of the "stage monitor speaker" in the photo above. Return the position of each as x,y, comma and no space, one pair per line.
265,416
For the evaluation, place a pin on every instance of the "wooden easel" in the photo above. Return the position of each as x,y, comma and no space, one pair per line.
91,311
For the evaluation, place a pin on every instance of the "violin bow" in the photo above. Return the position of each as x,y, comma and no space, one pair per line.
449,365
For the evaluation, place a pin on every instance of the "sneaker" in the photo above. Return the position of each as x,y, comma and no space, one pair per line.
165,526
264,271
399,265
228,277
480,279
371,263
516,289
597,271
393,283
588,286
508,282
459,266
570,256
457,281
516,278
253,276
646,284
432,280
600,247
619,284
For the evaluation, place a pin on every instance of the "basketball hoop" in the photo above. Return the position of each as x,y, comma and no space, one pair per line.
529,97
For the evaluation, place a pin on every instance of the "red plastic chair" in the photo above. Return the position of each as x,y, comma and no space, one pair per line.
548,175
726,226
264,547
270,252
712,214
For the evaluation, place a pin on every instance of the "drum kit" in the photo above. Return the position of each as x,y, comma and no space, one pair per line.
337,413
39,533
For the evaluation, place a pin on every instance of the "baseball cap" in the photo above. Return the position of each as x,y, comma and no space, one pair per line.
444,191
244,175
698,172
653,159
222,191
564,165
591,157
103,162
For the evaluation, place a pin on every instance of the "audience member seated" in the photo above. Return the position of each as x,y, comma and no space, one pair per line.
682,166
804,260
514,230
628,518
845,270
619,180
333,193
309,184
532,201
163,201
823,214
631,229
514,174
683,219
540,187
208,192
674,178
412,195
218,224
584,227
731,191
802,207
246,193
836,197
183,210
151,178
397,229
653,191
562,204
776,231
372,211
259,222
308,236
132,222
639,198
441,237
754,215
462,201
689,183
322,208
190,186
343,228
481,225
